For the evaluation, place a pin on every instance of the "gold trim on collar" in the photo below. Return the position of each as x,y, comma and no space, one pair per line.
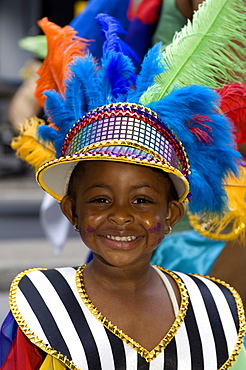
148,356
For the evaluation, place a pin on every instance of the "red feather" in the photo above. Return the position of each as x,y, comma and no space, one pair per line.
202,133
55,68
233,104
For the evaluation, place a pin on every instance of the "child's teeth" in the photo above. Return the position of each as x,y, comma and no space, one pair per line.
121,238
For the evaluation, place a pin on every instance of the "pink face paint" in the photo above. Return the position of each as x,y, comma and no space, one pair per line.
90,229
155,229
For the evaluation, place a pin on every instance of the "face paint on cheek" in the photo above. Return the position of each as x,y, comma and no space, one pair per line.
157,237
155,229
87,231
90,229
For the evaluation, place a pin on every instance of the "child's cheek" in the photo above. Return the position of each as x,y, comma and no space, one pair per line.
157,235
87,231
156,229
90,229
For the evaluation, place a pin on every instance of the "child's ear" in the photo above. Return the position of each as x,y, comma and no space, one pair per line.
68,209
174,213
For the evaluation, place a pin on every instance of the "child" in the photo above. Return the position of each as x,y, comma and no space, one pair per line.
121,173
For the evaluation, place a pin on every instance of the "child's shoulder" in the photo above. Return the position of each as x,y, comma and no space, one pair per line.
41,276
214,296
41,285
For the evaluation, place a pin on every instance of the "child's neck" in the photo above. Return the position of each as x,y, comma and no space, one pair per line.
126,278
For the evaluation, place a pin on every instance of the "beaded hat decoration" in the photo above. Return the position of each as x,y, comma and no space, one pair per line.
158,118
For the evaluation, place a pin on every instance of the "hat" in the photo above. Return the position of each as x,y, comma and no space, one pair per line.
103,110
124,132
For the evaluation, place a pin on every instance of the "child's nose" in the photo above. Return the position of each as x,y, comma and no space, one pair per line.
120,215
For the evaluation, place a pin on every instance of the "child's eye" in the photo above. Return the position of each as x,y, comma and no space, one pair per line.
142,201
99,200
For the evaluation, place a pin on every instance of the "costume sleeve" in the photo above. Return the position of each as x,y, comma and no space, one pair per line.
50,363
7,335
17,352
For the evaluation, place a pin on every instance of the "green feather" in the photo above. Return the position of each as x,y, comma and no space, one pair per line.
210,50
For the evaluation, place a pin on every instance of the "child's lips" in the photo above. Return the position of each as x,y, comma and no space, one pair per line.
121,242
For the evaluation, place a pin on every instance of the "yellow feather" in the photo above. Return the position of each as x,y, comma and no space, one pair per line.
29,148
233,223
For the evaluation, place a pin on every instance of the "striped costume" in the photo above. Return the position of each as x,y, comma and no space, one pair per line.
53,310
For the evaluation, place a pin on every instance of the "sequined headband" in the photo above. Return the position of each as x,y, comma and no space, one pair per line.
115,124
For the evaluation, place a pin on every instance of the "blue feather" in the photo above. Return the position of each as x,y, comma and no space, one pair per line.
47,133
83,83
210,162
151,67
120,73
110,29
58,113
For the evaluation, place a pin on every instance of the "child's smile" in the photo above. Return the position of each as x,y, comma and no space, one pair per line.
121,210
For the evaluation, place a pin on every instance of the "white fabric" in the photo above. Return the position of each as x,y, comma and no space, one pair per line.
224,313
55,225
58,311
202,319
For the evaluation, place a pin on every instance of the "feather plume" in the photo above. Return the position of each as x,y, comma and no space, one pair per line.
151,67
232,223
118,72
28,147
210,50
110,29
55,67
233,104
190,113
86,83
64,112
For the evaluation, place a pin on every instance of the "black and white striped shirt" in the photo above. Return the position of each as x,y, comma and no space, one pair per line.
206,335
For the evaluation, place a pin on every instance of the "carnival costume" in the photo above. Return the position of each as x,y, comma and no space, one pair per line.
165,122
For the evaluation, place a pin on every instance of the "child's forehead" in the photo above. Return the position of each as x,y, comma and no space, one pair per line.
118,168
114,172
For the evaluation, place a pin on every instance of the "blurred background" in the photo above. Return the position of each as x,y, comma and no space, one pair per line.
22,241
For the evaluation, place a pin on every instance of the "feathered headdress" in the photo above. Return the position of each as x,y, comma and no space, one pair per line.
159,118
231,224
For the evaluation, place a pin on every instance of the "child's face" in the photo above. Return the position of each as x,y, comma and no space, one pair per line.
121,210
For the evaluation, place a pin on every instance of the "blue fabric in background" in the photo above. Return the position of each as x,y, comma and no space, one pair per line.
85,24
188,252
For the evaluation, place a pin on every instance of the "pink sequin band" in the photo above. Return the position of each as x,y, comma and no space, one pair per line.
119,122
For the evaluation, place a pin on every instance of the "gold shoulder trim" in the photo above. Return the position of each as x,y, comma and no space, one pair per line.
149,356
24,327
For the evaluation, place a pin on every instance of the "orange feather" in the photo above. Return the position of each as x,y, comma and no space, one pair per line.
55,67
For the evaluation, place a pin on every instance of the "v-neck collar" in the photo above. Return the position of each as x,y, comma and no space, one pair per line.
147,355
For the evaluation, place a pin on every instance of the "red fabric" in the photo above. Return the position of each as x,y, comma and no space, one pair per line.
23,355
147,11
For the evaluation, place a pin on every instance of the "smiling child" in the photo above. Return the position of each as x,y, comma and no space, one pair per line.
126,160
